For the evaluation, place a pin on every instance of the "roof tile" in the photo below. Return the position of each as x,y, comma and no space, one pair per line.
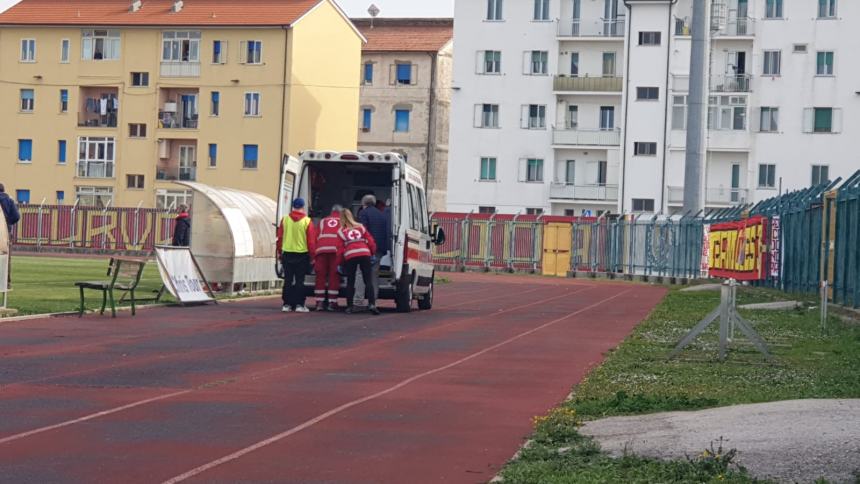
406,35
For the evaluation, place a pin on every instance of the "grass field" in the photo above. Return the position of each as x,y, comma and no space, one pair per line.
636,378
47,284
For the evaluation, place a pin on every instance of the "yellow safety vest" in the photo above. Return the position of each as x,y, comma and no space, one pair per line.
295,235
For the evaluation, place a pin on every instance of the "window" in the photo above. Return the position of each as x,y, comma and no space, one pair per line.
100,45
252,104
180,46
602,167
28,50
170,199
641,148
823,120
61,197
136,130
769,120
219,52
139,79
609,64
252,52
541,10
215,104
679,112
494,9
368,73
643,205
249,157
488,169
534,116
22,196
824,64
773,9
574,64
649,38
94,196
534,170
487,210
487,116
539,62
572,117
61,152
401,120
28,100
492,62
213,155
403,73
772,62
65,45
820,174
826,8
607,118
534,211
647,93
134,182
766,176
64,100
569,212
96,157
727,113
25,150
366,119
800,48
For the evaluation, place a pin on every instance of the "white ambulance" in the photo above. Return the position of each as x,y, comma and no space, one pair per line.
326,178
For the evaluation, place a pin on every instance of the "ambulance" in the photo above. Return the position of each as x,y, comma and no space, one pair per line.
326,178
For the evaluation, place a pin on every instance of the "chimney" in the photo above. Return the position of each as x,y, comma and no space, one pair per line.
135,5
177,6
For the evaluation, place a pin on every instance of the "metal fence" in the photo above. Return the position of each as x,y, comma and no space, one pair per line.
492,242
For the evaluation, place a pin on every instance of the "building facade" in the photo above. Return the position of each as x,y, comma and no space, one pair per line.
406,70
578,107
112,102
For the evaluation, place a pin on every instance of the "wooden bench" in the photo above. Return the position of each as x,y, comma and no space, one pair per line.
124,274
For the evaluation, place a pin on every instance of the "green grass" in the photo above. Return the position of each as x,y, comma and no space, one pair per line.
47,284
637,378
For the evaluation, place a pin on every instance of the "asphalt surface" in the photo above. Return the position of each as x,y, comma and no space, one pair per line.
242,393
790,441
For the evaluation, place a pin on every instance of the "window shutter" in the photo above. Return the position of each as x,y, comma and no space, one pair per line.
524,116
478,111
808,120
413,74
836,124
479,63
523,170
223,52
243,49
392,74
527,62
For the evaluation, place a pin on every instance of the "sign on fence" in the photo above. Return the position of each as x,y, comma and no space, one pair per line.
775,247
182,276
706,250
737,249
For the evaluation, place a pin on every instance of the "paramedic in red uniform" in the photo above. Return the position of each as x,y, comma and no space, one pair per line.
357,249
297,239
326,262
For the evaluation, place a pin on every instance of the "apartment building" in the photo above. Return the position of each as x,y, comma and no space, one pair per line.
109,102
406,69
579,106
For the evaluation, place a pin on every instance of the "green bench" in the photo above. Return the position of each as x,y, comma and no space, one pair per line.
124,274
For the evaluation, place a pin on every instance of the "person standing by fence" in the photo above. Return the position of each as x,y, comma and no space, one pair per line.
358,247
297,243
182,228
11,214
327,286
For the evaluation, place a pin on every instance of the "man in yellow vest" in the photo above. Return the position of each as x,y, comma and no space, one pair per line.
296,243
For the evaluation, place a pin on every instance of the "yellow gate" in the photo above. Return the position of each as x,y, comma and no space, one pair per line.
556,249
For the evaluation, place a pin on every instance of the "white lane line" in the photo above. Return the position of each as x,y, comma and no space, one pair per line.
275,438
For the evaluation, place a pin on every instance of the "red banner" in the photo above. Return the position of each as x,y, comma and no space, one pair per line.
737,250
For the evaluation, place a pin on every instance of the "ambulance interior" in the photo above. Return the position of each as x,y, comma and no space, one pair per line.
324,184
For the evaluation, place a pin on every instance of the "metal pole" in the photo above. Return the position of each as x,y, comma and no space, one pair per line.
72,227
824,301
695,109
39,227
725,314
137,223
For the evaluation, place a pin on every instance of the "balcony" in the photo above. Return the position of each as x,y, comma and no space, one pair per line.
98,107
713,196
176,173
601,29
587,84
177,160
587,137
734,27
180,69
178,108
95,169
599,192
731,83
96,120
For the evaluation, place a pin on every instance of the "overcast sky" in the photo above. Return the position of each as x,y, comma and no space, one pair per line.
358,8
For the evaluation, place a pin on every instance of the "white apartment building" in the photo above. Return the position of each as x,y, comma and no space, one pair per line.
575,107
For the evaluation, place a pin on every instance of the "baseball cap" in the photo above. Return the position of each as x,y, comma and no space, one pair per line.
299,203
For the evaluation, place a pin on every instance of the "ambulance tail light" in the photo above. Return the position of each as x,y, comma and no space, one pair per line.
349,157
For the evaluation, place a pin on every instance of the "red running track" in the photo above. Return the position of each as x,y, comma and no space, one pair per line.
242,393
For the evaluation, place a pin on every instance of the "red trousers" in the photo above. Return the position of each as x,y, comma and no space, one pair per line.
328,280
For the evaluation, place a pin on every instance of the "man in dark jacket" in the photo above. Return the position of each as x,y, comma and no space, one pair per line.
182,228
377,223
11,214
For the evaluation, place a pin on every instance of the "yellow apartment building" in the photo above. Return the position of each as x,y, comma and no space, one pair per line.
111,101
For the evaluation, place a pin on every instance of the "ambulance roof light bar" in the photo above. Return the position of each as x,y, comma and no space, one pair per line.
349,156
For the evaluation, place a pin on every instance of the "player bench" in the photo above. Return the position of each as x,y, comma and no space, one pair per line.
124,274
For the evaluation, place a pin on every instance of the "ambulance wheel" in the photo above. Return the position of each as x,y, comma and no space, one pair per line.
426,302
403,298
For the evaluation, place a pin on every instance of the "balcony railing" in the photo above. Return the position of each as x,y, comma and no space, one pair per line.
731,83
713,196
736,27
180,69
586,137
587,84
95,120
564,191
95,169
180,173
168,120
576,28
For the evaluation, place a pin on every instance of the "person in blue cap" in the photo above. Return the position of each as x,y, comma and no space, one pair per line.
296,244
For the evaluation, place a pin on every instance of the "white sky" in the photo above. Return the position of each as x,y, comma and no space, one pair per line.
358,8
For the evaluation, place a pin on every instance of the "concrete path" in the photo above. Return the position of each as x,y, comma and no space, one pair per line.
792,441
243,393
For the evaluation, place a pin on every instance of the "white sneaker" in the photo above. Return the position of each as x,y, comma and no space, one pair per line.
302,309
286,309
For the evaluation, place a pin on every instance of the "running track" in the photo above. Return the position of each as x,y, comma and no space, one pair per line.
242,393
